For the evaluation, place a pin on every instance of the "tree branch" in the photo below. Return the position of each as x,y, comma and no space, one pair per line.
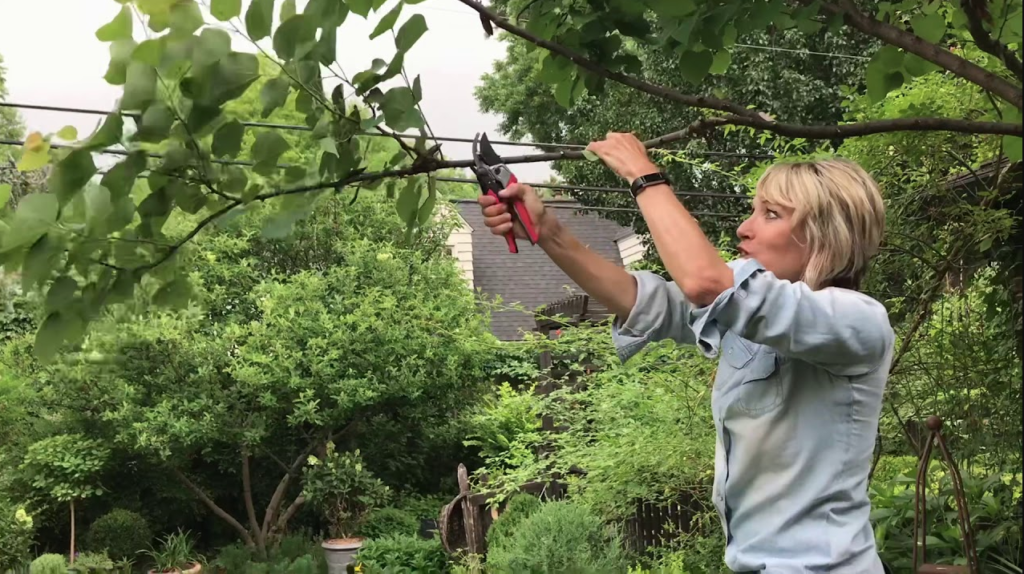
289,513
213,506
590,65
986,42
931,52
250,508
282,487
740,115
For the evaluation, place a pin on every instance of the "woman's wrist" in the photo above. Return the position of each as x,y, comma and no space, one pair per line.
551,231
639,169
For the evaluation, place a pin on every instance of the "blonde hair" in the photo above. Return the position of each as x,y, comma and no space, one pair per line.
839,210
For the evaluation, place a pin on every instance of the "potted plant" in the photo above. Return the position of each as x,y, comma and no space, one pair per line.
176,555
344,491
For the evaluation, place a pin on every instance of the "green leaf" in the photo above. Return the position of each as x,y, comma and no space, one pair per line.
108,134
388,21
695,65
266,150
120,178
274,94
295,37
71,174
149,52
554,69
213,44
174,294
97,210
120,55
361,7
60,294
721,62
1012,147
35,214
258,19
68,133
189,197
34,159
227,140
5,194
139,87
287,10
930,27
225,10
410,32
40,261
52,333
399,109
883,73
427,209
155,124
185,17
120,28
671,8
408,202
590,156
917,66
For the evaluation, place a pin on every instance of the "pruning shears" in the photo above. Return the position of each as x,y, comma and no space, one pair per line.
494,176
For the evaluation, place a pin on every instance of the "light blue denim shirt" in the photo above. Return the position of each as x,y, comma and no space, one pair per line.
796,402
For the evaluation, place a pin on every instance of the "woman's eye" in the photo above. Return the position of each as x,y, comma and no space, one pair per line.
772,214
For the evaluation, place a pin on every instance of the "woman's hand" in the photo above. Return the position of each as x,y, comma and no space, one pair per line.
499,220
625,155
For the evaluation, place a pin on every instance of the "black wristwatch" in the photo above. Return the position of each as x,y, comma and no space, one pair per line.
644,181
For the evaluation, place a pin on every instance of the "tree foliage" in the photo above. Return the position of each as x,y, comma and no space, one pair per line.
87,244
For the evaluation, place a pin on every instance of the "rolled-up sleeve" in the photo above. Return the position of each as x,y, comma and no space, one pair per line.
842,331
661,312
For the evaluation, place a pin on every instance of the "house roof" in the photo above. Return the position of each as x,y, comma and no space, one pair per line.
530,278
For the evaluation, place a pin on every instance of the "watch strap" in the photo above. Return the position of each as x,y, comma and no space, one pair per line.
644,181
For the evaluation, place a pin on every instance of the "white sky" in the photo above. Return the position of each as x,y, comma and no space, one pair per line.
52,57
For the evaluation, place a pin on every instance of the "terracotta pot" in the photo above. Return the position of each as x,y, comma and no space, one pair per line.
340,552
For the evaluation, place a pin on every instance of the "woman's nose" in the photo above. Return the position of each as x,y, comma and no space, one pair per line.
744,230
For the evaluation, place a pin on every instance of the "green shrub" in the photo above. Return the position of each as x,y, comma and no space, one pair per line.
16,528
49,564
519,507
558,537
389,521
402,554
90,562
120,533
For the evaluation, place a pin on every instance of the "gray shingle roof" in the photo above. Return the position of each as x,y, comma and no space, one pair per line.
529,278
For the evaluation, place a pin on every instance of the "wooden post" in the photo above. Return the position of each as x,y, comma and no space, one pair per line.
470,515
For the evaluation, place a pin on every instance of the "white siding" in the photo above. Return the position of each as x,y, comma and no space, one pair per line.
631,249
460,245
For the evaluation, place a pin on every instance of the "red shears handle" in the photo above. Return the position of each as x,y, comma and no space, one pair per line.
520,214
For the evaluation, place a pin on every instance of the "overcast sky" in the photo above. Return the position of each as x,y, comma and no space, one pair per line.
52,57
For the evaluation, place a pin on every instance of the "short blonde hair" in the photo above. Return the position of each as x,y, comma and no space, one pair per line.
839,210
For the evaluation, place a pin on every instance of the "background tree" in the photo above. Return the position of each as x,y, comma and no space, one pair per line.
182,79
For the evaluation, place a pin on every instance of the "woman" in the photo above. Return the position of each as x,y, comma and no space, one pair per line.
802,356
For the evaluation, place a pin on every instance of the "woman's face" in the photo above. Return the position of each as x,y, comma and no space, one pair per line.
768,236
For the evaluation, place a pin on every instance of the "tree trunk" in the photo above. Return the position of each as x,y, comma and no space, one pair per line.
250,508
72,555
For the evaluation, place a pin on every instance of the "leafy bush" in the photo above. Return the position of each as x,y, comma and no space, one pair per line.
89,562
16,529
561,537
993,498
518,508
389,521
403,554
49,564
120,533
343,489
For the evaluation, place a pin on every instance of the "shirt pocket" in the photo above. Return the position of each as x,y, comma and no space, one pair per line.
757,380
